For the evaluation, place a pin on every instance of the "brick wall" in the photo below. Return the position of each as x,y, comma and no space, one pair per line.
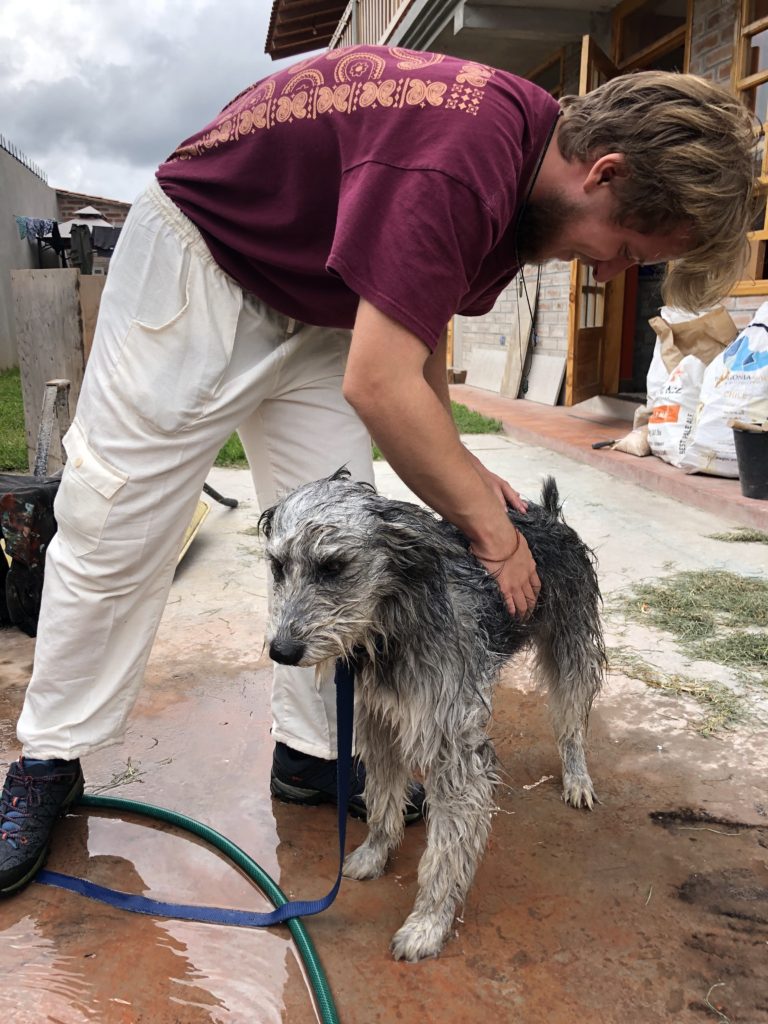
712,39
742,309
112,210
551,324
498,329
495,330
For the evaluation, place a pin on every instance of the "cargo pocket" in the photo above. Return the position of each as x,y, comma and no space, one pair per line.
86,493
169,371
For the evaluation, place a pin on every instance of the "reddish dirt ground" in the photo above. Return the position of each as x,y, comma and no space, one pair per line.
652,908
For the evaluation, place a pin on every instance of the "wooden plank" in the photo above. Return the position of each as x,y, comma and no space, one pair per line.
91,287
573,313
614,313
545,378
49,339
526,293
751,288
485,368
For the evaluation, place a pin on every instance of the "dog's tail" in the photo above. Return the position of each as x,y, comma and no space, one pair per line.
550,498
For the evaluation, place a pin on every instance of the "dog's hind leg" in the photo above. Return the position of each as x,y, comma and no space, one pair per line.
459,802
386,785
570,663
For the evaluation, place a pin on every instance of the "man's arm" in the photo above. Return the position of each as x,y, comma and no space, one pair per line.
390,386
436,377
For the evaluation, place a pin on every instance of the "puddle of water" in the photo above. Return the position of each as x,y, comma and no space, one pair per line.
74,961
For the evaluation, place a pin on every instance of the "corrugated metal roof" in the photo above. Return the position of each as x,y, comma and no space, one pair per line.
296,26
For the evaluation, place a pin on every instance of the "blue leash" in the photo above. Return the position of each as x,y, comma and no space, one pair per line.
345,696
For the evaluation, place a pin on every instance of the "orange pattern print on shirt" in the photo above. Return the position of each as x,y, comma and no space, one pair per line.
356,84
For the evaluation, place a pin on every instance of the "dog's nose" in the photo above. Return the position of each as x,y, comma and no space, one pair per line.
286,652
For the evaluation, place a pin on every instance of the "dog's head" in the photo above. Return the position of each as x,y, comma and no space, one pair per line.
341,556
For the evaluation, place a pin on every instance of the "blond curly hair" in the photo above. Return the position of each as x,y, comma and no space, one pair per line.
690,148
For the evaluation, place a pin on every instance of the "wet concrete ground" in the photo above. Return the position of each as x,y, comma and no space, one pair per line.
652,908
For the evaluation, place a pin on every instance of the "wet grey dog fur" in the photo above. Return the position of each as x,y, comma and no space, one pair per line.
393,587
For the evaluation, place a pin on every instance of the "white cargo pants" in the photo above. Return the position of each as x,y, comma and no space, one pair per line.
181,358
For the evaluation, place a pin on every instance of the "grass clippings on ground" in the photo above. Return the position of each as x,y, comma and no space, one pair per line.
715,615
722,707
740,648
741,535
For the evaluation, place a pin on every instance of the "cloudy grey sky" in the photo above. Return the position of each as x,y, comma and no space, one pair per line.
98,92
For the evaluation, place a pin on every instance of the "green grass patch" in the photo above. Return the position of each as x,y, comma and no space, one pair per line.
714,615
232,454
467,422
470,422
722,707
13,444
741,535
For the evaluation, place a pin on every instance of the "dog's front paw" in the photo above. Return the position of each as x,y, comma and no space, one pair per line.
578,791
365,862
421,936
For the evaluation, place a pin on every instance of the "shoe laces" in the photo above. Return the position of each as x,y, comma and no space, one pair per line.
19,793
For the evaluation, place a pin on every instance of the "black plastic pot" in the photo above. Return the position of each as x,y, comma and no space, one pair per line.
752,458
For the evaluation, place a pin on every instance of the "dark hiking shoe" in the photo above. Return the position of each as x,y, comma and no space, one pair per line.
35,795
302,779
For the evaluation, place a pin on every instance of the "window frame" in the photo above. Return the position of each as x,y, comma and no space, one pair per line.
558,57
741,84
652,52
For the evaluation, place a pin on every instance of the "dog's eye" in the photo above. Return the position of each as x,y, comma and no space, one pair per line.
330,567
278,573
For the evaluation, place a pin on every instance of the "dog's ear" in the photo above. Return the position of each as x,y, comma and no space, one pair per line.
264,525
342,473
410,536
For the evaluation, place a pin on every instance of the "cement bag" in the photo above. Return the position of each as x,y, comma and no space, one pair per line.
678,334
665,355
665,359
636,442
674,410
681,334
735,387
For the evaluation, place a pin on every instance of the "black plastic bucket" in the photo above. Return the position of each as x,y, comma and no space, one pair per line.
752,457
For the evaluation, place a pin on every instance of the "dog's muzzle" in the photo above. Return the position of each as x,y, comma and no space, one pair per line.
286,652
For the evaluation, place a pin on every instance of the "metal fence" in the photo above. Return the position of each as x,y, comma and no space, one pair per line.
17,154
368,22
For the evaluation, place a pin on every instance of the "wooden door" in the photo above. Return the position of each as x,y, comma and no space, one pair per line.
594,310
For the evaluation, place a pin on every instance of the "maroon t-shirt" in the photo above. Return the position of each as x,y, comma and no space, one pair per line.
390,174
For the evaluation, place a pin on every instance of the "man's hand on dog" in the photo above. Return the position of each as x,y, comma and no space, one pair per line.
515,573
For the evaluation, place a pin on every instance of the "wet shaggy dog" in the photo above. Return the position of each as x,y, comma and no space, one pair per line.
388,583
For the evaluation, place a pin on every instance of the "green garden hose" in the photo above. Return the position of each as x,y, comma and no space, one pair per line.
317,979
